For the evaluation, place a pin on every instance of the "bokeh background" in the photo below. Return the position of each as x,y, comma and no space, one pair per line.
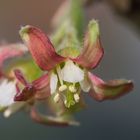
120,35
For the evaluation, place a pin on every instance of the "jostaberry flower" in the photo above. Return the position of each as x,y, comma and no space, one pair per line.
66,75
15,64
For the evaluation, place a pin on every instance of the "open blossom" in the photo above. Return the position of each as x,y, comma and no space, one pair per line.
15,65
66,75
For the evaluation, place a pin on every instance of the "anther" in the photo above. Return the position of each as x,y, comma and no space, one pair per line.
76,97
62,88
72,88
56,98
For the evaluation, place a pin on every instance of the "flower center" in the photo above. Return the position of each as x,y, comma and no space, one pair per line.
68,83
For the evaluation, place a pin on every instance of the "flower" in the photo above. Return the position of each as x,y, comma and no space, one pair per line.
7,85
15,64
67,72
13,58
8,88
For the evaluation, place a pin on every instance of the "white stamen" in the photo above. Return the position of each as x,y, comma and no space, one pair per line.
56,98
62,88
72,88
58,69
76,98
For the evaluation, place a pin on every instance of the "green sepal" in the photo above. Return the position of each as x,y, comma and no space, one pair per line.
93,32
65,40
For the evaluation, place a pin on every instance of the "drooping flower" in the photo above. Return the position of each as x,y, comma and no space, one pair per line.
17,71
67,72
14,56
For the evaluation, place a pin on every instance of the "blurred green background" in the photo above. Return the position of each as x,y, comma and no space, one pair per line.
120,35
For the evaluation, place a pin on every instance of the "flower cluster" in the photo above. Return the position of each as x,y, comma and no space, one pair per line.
64,73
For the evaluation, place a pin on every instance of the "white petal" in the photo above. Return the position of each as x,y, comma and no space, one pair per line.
85,85
72,73
7,93
53,83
